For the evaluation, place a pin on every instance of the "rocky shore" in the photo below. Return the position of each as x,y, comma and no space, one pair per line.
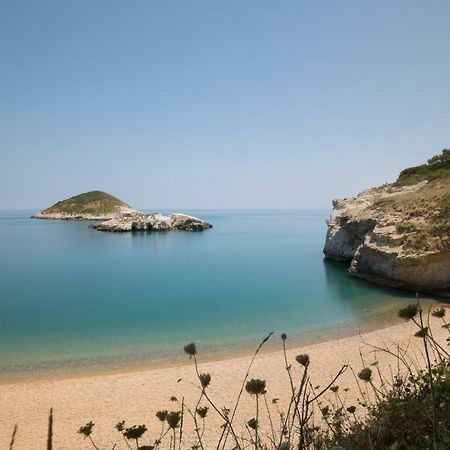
382,244
152,222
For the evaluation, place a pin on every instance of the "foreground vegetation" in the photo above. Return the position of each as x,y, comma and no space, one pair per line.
407,410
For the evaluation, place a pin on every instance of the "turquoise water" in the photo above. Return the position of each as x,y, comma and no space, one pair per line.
74,298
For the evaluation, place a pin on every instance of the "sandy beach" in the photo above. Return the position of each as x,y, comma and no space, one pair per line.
136,396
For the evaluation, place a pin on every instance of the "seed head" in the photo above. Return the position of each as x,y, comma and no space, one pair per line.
135,432
422,332
439,312
283,336
190,349
86,430
120,426
256,386
303,360
202,411
409,311
365,374
253,423
205,379
173,419
161,415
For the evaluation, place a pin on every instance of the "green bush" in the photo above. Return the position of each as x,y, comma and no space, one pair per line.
403,418
437,167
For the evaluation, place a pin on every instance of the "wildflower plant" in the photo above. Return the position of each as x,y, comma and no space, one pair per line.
86,431
135,433
365,374
409,411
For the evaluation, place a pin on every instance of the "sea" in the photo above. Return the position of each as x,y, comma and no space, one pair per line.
76,300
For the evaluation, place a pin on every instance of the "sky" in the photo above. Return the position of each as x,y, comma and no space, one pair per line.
218,104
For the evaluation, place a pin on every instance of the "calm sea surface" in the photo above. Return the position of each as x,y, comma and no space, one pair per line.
72,298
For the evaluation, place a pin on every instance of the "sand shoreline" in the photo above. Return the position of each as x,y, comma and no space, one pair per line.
136,395
377,320
179,360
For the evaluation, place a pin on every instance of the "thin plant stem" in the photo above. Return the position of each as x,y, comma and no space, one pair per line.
50,430
13,438
257,424
92,442
270,419
430,374
291,382
215,407
243,386
126,442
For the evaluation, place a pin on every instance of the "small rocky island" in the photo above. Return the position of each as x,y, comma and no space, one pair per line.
116,215
398,234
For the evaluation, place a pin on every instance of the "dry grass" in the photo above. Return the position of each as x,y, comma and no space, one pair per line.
423,216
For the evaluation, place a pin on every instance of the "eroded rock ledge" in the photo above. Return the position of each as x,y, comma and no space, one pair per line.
376,238
152,222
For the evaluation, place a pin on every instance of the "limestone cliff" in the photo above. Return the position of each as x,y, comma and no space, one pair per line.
398,234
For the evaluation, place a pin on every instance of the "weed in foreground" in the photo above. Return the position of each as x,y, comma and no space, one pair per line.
407,410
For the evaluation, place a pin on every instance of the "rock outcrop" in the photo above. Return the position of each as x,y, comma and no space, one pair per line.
115,215
152,222
397,235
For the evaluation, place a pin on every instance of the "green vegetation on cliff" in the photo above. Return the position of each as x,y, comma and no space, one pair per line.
424,212
93,202
436,168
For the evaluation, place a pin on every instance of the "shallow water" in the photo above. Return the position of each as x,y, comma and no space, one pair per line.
74,298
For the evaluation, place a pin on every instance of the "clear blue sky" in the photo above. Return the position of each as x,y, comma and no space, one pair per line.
208,104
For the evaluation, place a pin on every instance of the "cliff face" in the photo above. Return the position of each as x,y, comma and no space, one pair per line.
397,235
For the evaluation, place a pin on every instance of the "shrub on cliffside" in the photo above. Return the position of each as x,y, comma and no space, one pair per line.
437,167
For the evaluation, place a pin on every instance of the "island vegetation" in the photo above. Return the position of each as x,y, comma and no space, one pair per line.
86,206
